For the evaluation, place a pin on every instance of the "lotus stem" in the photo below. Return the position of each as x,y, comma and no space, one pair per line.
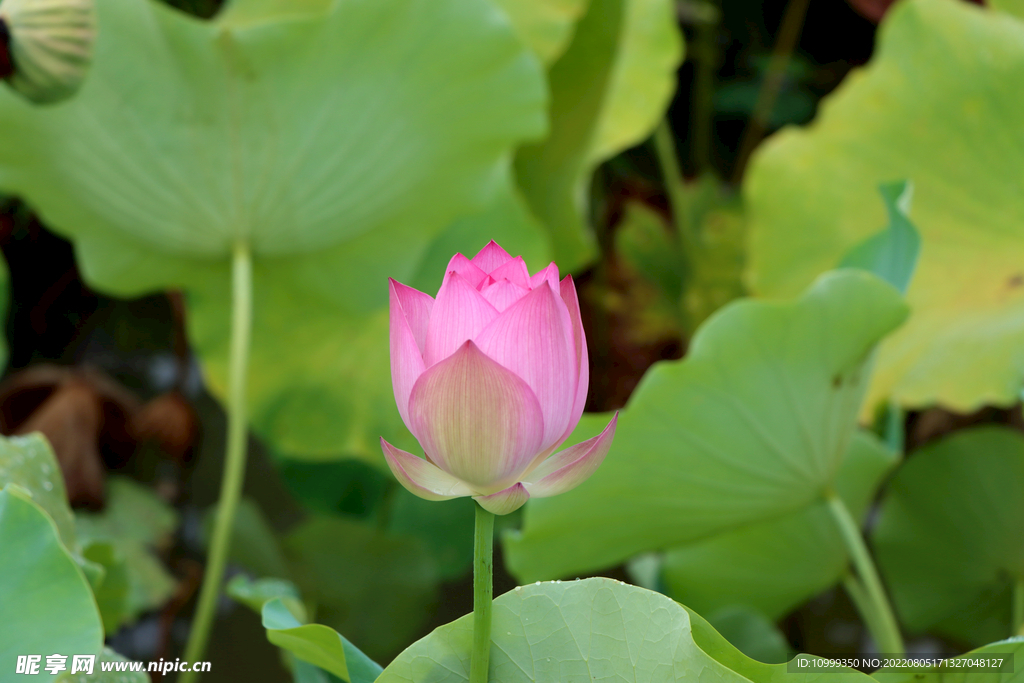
785,44
483,564
672,176
879,618
234,460
687,240
705,54
860,600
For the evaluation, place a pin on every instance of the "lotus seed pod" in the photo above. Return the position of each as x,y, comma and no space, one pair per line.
46,46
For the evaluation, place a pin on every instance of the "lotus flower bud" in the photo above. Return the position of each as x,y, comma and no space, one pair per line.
46,46
491,377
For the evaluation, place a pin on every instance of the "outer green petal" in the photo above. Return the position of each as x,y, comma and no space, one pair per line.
566,470
422,478
504,502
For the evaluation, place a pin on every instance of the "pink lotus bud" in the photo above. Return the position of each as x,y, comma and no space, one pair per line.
491,378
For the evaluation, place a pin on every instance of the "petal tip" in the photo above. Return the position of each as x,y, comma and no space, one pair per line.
505,501
422,478
568,469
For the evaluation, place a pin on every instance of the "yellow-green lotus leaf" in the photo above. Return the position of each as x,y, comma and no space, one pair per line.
939,105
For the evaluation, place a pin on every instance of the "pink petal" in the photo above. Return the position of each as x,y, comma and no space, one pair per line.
459,313
533,338
416,306
406,353
422,478
491,257
513,271
504,502
476,420
570,468
550,274
503,294
567,289
464,267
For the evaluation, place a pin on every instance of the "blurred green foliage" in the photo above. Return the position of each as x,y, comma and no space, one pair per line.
962,493
345,142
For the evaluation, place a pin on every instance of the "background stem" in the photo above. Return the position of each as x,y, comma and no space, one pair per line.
672,176
686,238
879,618
704,52
860,600
785,43
234,460
483,560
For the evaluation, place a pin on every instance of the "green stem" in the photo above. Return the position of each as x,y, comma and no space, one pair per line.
687,240
1018,608
234,460
672,176
860,600
879,618
705,64
785,43
483,561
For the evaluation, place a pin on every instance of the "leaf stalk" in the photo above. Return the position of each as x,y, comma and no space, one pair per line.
234,459
879,617
774,78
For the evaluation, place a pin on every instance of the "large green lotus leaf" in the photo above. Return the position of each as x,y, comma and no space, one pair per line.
29,462
338,146
955,499
608,91
1013,647
936,106
592,630
714,644
374,586
240,13
295,136
45,600
545,25
777,564
752,425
